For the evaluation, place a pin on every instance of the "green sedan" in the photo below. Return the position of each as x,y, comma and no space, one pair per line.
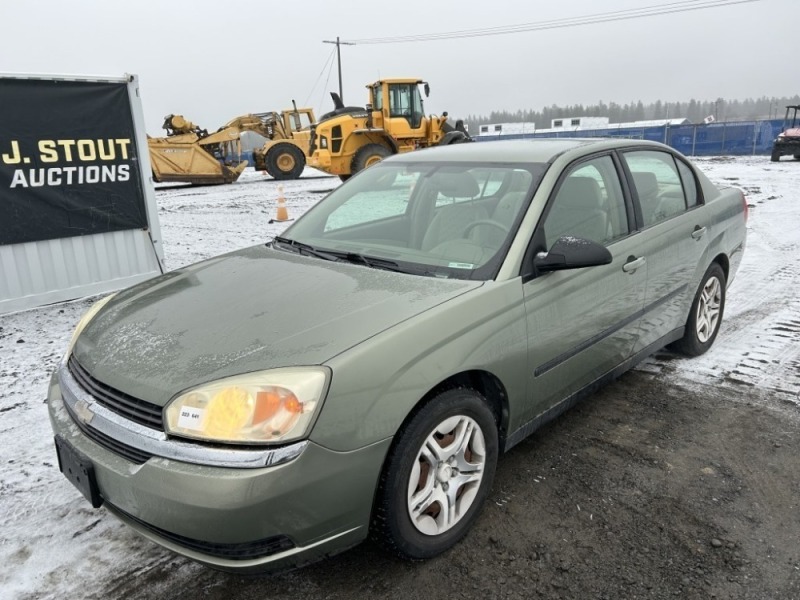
362,373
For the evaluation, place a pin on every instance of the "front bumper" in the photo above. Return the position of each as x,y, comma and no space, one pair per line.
787,145
241,519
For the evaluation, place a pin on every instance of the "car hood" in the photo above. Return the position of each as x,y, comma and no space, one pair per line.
253,309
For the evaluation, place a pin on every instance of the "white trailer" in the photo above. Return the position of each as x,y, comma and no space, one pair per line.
577,123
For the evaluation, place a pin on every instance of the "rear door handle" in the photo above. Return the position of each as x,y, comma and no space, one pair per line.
698,232
633,264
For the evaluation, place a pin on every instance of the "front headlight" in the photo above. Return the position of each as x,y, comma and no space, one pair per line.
272,406
85,319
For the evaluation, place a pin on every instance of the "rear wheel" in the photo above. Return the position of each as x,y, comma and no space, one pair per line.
705,316
437,475
285,161
368,155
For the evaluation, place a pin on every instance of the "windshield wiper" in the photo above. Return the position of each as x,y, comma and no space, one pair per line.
306,249
340,256
370,261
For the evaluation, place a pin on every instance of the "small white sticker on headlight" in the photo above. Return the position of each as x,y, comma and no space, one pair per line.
191,418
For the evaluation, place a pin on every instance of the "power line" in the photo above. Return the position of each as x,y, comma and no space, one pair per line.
669,8
604,17
325,66
327,79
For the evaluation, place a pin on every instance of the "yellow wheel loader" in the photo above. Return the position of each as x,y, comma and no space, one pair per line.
190,154
349,139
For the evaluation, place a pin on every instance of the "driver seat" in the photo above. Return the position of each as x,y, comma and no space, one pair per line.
451,220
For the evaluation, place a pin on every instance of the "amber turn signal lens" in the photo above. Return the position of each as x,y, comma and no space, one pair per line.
267,404
293,405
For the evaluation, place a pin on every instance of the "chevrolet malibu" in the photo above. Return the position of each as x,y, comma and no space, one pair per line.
362,373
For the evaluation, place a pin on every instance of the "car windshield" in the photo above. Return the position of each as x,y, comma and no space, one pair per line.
444,220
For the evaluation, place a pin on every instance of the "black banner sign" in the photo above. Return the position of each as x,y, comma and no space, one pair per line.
68,160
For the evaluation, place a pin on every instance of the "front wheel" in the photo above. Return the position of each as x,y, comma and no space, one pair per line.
285,161
705,316
776,156
437,475
368,155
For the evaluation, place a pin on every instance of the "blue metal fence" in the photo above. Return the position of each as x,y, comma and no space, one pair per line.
737,137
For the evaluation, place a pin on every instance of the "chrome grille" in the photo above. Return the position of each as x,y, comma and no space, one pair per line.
130,453
139,411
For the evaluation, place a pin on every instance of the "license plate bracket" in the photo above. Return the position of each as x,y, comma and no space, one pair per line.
79,470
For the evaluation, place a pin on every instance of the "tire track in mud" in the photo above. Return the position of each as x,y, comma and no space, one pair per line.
761,353
759,347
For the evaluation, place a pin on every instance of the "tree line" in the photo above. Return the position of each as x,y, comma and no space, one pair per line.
694,110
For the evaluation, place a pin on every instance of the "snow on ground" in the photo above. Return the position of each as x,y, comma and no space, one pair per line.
759,343
53,544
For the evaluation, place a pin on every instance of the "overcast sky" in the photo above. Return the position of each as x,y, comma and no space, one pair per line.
214,60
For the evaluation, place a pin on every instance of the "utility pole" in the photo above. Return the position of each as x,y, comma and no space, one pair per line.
339,45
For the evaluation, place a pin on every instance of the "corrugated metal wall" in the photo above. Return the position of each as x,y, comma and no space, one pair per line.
55,270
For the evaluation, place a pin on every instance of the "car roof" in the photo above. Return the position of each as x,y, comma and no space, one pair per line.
540,150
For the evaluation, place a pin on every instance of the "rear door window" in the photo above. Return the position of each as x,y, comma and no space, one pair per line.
658,185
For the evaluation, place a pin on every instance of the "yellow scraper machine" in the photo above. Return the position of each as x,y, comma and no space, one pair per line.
190,154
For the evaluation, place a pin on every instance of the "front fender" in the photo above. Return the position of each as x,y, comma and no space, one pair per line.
376,384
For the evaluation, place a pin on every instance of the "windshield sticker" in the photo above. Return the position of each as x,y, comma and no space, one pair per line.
458,265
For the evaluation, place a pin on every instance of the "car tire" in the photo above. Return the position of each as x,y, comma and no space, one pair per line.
776,156
368,155
705,315
285,161
446,453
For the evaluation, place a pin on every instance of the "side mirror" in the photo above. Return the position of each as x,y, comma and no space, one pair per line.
427,89
571,252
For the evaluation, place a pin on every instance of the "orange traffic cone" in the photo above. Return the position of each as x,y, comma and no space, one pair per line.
282,214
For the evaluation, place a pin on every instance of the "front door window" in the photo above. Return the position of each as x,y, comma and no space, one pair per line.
405,102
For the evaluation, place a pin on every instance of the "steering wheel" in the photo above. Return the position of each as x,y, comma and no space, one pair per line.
491,222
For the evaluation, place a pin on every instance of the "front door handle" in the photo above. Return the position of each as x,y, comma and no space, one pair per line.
698,232
633,264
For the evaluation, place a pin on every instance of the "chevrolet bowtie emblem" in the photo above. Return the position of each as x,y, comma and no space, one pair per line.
83,412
